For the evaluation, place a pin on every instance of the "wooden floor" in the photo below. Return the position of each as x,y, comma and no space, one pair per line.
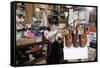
43,61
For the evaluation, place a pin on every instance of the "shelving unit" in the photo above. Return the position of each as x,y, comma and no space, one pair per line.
35,60
35,51
31,43
24,46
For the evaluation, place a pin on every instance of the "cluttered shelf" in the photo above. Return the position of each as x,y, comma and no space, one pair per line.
29,42
35,60
23,29
34,51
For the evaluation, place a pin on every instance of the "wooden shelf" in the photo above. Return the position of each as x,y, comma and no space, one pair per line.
31,43
34,61
23,29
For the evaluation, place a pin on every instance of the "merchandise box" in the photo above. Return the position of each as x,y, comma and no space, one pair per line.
50,33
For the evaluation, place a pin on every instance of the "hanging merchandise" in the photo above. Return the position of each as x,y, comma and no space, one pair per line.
35,26
37,9
75,15
71,18
82,15
20,13
66,14
71,13
34,19
44,21
87,16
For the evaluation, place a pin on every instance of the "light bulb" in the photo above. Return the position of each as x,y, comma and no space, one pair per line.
68,6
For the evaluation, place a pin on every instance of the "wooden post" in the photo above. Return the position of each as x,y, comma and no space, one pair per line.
29,13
